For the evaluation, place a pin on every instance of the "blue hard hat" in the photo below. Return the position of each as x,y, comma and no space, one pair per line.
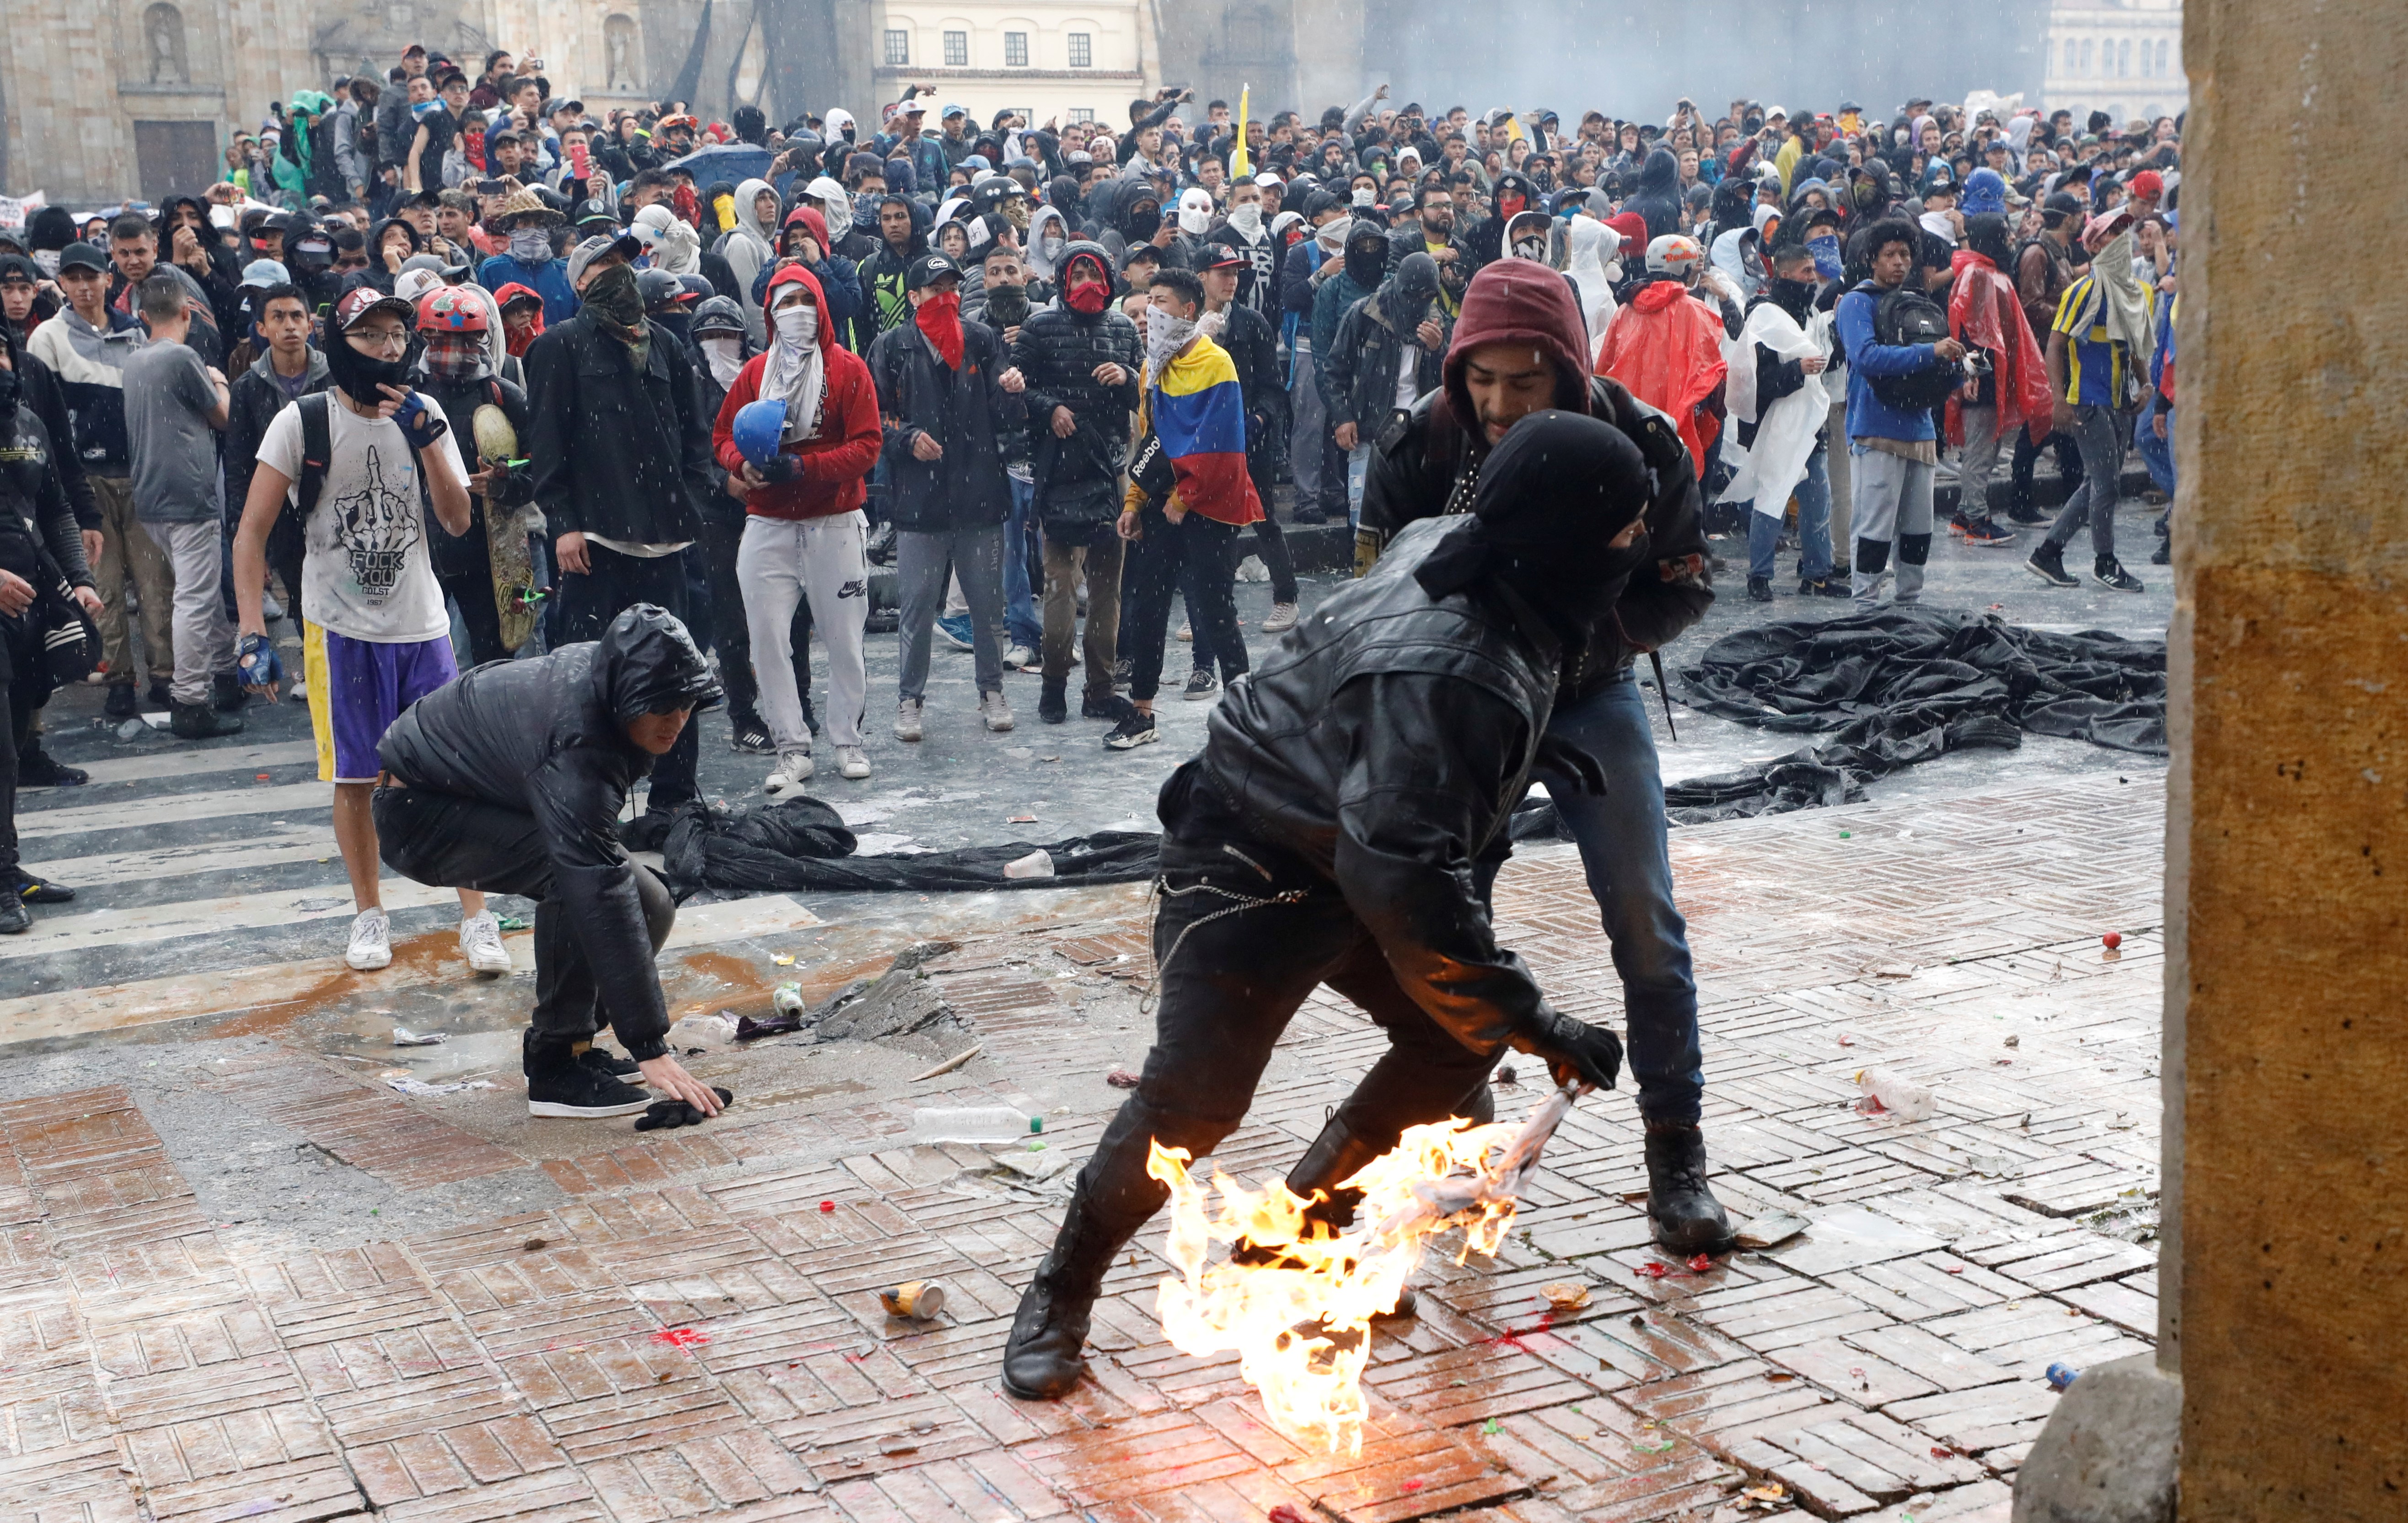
758,427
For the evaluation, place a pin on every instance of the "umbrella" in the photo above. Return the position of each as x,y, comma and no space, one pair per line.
734,162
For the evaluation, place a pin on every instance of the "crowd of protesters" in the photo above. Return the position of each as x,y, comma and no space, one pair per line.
1057,377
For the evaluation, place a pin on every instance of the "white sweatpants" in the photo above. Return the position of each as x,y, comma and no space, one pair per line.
779,562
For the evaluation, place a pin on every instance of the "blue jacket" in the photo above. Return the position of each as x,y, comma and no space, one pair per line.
1868,416
548,280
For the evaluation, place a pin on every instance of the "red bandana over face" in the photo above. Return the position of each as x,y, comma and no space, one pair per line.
939,317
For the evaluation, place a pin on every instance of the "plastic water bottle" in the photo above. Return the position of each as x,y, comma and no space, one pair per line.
2062,1375
969,1124
1897,1094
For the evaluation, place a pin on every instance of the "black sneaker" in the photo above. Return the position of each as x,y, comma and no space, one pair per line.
1052,702
747,734
1136,728
1828,587
1200,685
38,768
34,890
1109,706
561,1082
1960,523
2164,554
15,918
1759,589
199,721
2047,562
226,694
2025,513
158,696
2110,574
604,1061
121,703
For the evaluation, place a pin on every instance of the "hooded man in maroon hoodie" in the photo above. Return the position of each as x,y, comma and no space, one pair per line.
1518,348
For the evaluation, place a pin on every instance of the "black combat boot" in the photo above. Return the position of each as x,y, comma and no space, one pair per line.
1684,1213
1041,1360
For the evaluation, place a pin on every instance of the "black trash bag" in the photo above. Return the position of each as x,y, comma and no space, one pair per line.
712,848
1900,685
803,843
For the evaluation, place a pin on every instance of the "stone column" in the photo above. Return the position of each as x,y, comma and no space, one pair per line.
2286,1271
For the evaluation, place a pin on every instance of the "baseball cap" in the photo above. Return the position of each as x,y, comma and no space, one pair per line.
353,308
952,110
621,244
929,269
263,272
1220,256
82,256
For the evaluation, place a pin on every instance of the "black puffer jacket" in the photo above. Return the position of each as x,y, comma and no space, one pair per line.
614,453
1077,478
47,400
964,410
544,737
1386,742
35,520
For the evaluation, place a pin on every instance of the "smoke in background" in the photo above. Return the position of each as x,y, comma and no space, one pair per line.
1634,61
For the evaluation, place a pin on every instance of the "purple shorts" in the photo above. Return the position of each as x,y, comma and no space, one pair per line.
358,688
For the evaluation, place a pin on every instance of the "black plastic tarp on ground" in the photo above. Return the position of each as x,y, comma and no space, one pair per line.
1899,686
803,843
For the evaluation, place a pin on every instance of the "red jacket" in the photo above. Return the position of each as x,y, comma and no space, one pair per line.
835,464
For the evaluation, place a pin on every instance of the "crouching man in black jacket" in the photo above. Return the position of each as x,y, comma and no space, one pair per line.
1343,826
510,780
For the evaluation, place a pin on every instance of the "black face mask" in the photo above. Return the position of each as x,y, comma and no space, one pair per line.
360,375
1141,222
1007,305
1794,297
1367,262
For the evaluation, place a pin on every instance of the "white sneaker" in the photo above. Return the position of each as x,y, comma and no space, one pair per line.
853,762
371,942
995,711
907,720
1282,618
480,942
1020,657
794,768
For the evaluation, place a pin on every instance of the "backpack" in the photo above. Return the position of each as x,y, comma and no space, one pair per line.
287,539
1907,317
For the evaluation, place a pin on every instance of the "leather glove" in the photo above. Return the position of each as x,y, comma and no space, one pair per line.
1573,1050
777,468
255,659
422,423
677,1113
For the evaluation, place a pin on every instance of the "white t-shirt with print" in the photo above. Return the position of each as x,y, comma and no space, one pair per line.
368,574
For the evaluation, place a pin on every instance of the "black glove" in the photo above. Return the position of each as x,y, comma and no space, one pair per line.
677,1113
1573,1050
777,467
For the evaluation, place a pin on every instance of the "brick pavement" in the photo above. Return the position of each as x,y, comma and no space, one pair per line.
691,1334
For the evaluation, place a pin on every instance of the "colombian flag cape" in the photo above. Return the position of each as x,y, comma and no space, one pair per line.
1194,408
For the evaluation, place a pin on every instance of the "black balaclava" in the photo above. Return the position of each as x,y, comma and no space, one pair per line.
1366,254
360,375
1553,495
1007,306
1412,289
1987,235
1142,217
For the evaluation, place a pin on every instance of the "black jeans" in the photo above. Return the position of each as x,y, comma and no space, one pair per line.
1244,932
589,599
724,626
2069,465
16,716
1270,541
1195,557
450,842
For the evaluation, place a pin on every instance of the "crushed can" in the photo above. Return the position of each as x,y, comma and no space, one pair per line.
917,1299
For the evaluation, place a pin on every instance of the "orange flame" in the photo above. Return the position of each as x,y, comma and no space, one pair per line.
1301,1326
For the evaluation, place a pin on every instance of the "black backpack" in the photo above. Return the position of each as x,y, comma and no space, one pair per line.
287,539
1907,317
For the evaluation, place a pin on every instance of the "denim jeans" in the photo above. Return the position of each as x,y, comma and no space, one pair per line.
1359,466
2156,453
1622,847
2095,433
1021,624
1814,526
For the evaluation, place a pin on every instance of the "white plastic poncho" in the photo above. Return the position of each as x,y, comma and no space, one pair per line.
1771,468
1588,238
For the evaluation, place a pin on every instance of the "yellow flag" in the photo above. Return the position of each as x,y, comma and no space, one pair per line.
1239,165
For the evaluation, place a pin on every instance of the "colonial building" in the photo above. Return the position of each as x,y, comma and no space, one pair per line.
2123,57
1050,59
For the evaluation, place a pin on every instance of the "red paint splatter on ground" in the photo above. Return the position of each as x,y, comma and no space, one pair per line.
1511,1337
1651,1269
1285,1514
681,1337
1413,1486
1702,1263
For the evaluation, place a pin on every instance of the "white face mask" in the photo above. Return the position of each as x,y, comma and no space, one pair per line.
725,354
1247,218
1164,336
798,324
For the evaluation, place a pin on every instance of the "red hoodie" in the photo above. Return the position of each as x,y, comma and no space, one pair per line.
835,464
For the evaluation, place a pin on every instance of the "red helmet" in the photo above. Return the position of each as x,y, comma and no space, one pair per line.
453,310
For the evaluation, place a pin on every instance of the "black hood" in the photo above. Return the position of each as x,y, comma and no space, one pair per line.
1367,253
1406,296
1061,195
1661,174
647,663
1515,182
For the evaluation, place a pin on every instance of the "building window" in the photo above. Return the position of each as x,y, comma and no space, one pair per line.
2071,49
2163,54
1016,49
1082,116
957,49
2123,59
1082,50
2086,57
898,48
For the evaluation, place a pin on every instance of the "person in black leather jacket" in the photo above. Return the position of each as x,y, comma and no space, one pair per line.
1342,826
1520,345
512,780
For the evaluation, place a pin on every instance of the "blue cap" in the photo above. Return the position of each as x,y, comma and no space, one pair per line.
263,272
758,428
952,110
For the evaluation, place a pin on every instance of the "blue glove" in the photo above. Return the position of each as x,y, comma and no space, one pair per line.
421,423
255,660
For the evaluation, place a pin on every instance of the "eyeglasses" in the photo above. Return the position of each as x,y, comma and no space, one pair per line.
366,340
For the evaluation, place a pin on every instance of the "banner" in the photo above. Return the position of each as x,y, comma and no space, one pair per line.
13,209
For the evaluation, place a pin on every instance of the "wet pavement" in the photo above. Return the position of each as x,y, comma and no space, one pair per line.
249,1277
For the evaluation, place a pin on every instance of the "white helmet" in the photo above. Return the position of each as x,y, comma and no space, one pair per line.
1675,254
